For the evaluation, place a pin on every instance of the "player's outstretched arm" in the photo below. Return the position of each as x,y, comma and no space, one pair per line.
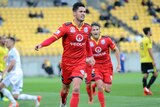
46,42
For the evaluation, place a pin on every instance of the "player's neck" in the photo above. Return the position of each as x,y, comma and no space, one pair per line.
96,39
10,47
148,36
78,23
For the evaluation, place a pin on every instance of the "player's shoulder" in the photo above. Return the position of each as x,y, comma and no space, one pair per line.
13,50
86,24
145,39
67,23
106,37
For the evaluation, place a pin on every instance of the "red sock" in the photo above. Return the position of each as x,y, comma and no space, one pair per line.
94,87
63,97
88,88
74,100
101,99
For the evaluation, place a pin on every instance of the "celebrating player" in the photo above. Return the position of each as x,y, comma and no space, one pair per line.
14,77
103,67
148,64
75,36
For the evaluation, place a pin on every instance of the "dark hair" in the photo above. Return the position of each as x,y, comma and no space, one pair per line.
146,30
77,5
12,39
95,24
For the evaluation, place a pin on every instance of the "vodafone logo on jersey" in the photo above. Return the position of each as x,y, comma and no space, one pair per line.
79,38
98,49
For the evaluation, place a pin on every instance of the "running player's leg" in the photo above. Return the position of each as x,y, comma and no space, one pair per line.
107,87
89,92
5,83
88,78
107,78
37,99
63,94
153,78
75,92
23,96
147,68
66,86
144,80
101,97
94,88
17,89
144,69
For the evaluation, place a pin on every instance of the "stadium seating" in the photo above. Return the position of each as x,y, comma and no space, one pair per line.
125,13
18,23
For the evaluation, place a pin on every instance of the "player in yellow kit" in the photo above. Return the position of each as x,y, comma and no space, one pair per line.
3,54
148,64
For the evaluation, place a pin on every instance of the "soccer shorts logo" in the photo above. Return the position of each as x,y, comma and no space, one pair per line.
150,70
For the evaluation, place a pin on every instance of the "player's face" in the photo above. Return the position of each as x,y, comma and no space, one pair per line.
95,32
150,33
9,43
80,14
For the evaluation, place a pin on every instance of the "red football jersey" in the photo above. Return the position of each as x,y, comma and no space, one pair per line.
101,50
75,42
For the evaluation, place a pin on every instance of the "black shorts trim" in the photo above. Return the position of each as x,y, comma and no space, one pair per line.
76,77
147,68
71,78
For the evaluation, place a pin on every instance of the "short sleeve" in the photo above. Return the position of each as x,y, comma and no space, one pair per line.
12,56
111,43
149,43
61,31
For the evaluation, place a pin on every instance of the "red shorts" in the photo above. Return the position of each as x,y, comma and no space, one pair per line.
90,77
71,71
104,73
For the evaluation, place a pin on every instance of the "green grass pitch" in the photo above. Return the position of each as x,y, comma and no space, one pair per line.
126,92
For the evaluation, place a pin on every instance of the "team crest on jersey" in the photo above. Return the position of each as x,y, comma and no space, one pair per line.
79,38
57,32
103,41
72,29
98,49
86,29
91,44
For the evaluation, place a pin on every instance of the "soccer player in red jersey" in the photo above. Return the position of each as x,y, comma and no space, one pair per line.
75,39
103,67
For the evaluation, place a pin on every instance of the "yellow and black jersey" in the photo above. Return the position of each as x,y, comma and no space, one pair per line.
145,44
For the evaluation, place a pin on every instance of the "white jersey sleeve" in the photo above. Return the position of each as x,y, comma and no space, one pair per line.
14,55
